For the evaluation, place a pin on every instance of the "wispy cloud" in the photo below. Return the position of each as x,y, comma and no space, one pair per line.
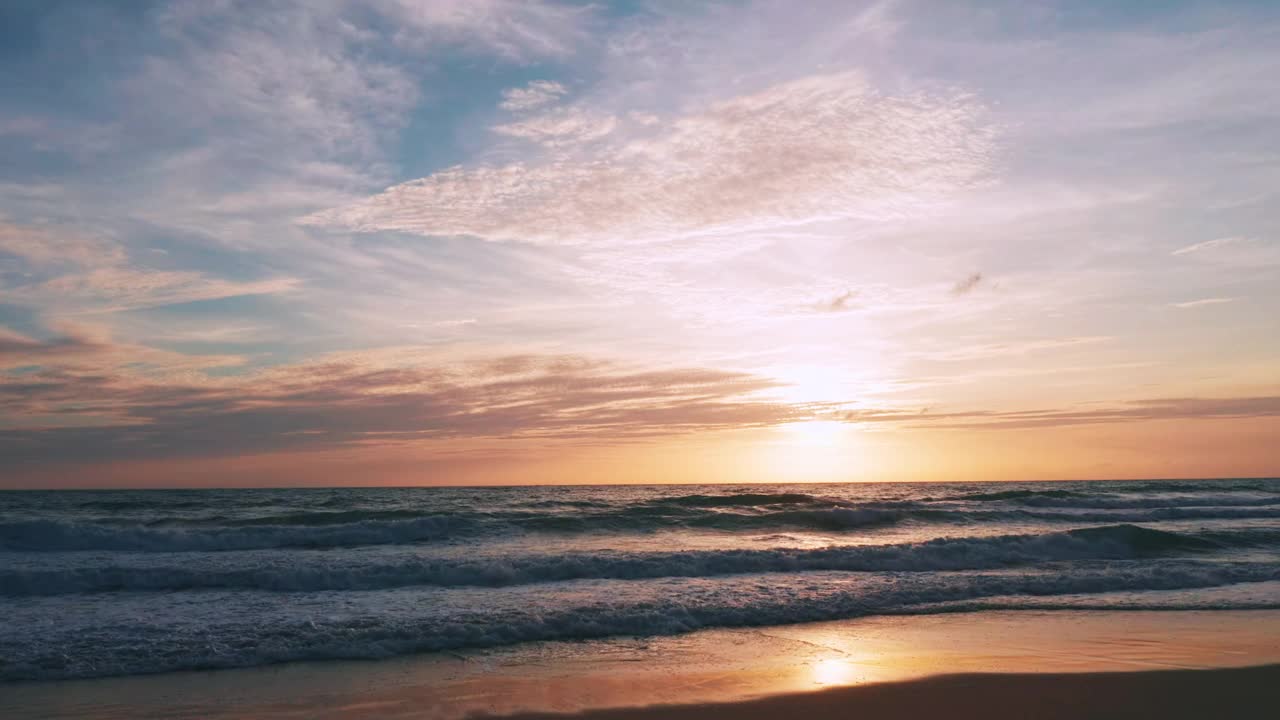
351,401
65,272
43,248
1236,252
820,148
1208,245
1011,348
532,96
71,413
519,30
840,303
967,285
17,349
79,350
561,127
1192,408
1202,303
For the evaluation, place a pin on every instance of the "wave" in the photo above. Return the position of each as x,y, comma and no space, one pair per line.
1267,485
1112,542
327,517
1164,513
828,519
349,528
161,500
1071,499
246,639
1016,495
747,500
58,535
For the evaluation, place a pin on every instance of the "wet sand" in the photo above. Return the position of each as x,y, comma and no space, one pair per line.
1166,694
1083,664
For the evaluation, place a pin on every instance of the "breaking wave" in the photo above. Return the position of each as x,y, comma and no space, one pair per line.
330,529
588,613
1112,542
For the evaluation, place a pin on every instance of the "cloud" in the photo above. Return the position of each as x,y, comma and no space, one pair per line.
77,349
231,118
559,128
291,74
518,30
70,272
1244,253
351,400
83,413
1202,303
532,96
821,148
42,247
1193,408
967,285
838,303
1210,245
1007,349
114,289
18,349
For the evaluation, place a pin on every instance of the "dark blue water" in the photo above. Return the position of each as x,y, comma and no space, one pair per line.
127,582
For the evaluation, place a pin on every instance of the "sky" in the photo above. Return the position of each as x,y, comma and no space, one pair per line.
402,242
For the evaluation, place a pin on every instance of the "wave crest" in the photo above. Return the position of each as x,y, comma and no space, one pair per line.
1111,542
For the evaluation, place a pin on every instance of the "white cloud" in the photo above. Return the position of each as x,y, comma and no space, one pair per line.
821,148
532,96
112,289
39,247
560,128
1010,349
518,30
83,274
1209,245
1233,252
268,111
1202,303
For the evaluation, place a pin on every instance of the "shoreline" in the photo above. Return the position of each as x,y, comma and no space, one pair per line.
1252,692
703,669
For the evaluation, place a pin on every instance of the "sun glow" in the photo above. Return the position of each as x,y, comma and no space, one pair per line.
820,433
814,451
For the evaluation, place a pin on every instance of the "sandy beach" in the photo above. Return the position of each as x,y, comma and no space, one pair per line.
991,665
1169,694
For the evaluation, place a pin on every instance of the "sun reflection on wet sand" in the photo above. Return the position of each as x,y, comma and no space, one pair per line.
833,672
710,666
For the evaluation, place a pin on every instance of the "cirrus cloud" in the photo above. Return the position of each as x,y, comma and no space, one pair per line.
820,148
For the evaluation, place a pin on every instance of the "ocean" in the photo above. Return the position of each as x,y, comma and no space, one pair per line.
117,582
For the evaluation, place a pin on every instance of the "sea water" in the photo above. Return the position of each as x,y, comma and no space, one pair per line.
118,582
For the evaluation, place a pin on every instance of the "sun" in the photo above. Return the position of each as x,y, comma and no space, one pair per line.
817,433
812,451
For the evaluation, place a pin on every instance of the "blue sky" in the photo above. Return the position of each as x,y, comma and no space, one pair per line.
436,240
